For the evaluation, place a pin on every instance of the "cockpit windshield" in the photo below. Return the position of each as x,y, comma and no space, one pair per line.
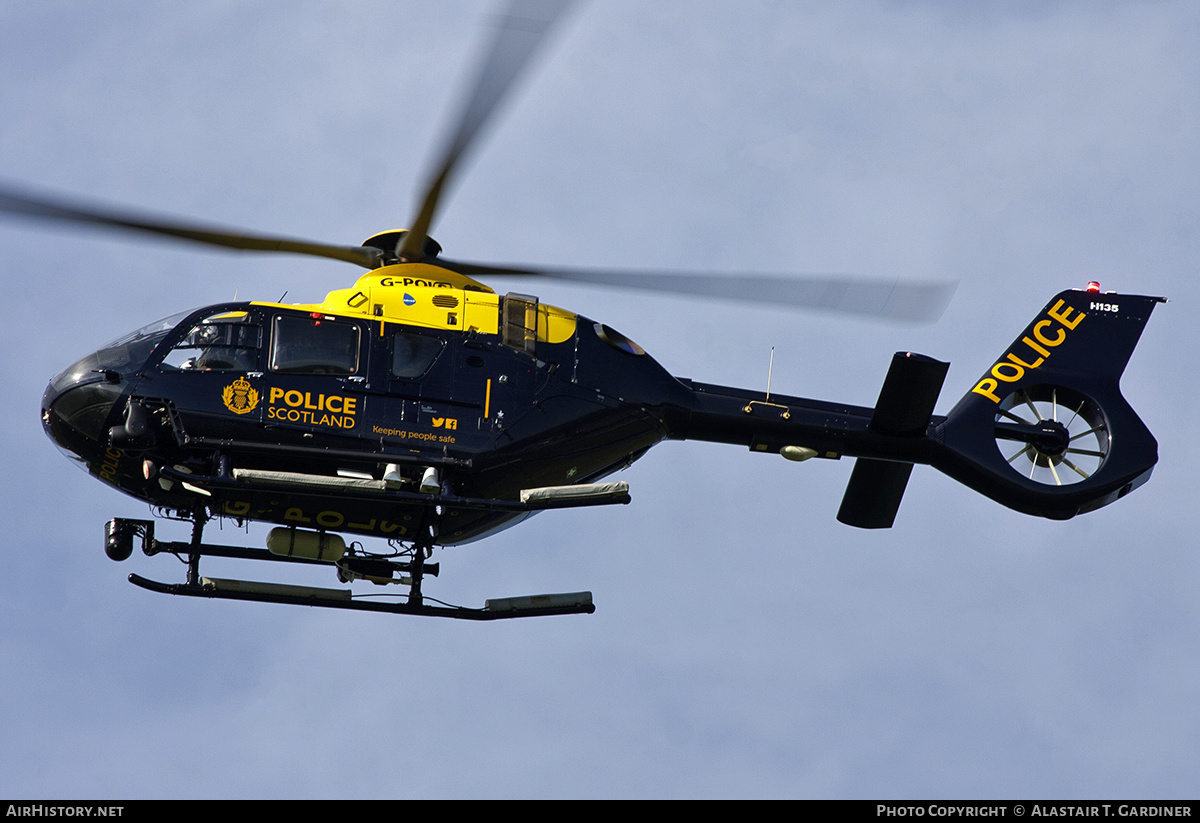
124,354
227,341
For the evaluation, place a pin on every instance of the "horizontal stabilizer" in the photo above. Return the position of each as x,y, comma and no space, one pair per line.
904,408
909,393
873,494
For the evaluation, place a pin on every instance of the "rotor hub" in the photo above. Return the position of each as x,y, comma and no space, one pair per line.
389,243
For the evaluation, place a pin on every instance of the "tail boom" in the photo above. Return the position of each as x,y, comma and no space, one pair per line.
1045,430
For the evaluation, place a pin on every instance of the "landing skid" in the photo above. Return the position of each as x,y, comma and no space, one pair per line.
120,532
576,603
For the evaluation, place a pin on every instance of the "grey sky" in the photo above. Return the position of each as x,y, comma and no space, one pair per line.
745,643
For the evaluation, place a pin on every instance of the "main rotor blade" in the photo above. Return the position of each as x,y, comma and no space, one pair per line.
917,302
519,33
41,207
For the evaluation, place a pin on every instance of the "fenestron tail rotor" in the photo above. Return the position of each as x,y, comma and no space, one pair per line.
1076,441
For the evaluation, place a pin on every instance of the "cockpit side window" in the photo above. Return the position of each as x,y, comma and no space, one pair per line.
313,345
413,354
228,341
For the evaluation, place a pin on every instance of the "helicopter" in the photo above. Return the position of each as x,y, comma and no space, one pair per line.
419,407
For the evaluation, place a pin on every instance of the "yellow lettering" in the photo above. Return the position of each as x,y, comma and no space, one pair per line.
296,515
237,508
986,387
1062,314
1043,352
998,372
1023,364
1037,332
330,520
108,467
304,407
1047,336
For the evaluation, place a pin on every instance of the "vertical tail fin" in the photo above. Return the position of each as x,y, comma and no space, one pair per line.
904,409
1046,429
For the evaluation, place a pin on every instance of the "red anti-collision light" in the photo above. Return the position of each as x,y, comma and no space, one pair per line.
1093,287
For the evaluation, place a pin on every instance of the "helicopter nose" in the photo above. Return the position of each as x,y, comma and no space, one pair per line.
76,407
